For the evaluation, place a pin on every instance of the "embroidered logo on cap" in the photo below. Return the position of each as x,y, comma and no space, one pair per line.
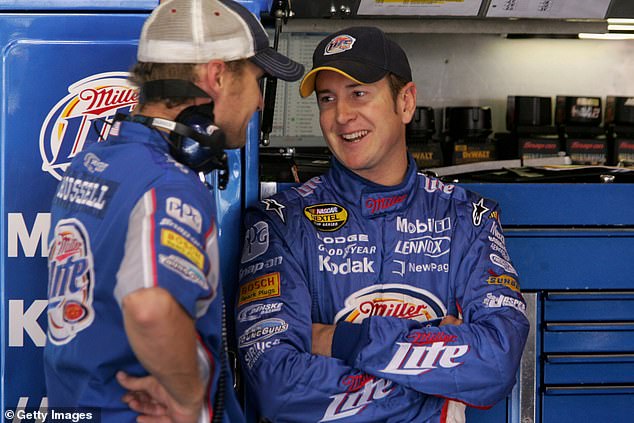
339,44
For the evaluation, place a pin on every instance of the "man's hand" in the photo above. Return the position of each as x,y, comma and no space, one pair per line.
450,320
149,398
322,339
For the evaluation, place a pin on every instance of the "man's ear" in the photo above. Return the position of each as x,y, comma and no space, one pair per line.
407,101
214,77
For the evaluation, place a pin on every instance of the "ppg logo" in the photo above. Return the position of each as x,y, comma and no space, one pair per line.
83,117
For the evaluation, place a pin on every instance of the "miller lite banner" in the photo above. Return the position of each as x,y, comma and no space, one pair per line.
64,77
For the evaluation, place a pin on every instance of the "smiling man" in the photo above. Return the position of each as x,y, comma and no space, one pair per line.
375,293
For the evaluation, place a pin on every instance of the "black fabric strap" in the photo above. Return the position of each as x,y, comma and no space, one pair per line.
170,88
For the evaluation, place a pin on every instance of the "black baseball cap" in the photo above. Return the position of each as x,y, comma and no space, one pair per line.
363,53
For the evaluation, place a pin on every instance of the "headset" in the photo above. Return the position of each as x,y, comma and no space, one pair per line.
194,139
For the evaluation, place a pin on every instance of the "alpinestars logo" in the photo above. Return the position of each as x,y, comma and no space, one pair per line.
71,282
83,117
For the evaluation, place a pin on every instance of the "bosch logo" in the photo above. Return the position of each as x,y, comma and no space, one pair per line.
85,112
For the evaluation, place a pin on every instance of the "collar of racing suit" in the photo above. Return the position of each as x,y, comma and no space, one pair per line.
124,131
374,199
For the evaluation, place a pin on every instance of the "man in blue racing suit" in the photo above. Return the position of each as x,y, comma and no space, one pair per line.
135,314
375,293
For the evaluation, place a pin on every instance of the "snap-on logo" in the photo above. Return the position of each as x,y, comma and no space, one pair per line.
83,117
339,44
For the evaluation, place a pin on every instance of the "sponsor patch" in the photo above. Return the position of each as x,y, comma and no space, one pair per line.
426,245
184,269
256,267
403,267
255,351
274,206
493,301
433,184
256,311
85,193
375,205
169,223
71,282
94,164
326,217
256,242
308,187
359,393
267,286
499,261
418,226
479,209
504,280
416,358
184,213
178,243
346,267
261,331
396,300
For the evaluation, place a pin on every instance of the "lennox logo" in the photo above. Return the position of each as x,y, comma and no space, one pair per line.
91,102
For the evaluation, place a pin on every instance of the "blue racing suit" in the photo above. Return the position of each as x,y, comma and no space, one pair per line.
385,265
126,216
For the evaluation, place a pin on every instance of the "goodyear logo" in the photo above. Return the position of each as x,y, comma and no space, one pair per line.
83,117
266,286
326,217
504,280
177,243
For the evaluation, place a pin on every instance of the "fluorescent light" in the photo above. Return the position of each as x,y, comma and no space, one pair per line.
588,36
619,21
620,27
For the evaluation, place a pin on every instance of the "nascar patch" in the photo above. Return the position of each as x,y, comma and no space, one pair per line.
176,242
266,286
326,217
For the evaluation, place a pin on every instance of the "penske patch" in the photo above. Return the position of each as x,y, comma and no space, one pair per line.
326,217
266,286
504,280
177,243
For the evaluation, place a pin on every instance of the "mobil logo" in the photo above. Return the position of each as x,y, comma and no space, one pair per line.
82,117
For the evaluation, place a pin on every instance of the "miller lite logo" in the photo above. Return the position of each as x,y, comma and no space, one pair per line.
339,44
71,282
396,300
83,117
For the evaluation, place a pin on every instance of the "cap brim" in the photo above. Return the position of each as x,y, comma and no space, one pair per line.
360,73
278,65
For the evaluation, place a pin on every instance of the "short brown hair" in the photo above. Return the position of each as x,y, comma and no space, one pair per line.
396,85
143,72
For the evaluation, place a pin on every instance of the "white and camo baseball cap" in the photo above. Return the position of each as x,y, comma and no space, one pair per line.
197,31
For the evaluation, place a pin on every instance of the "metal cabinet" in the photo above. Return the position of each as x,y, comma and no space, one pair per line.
572,245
